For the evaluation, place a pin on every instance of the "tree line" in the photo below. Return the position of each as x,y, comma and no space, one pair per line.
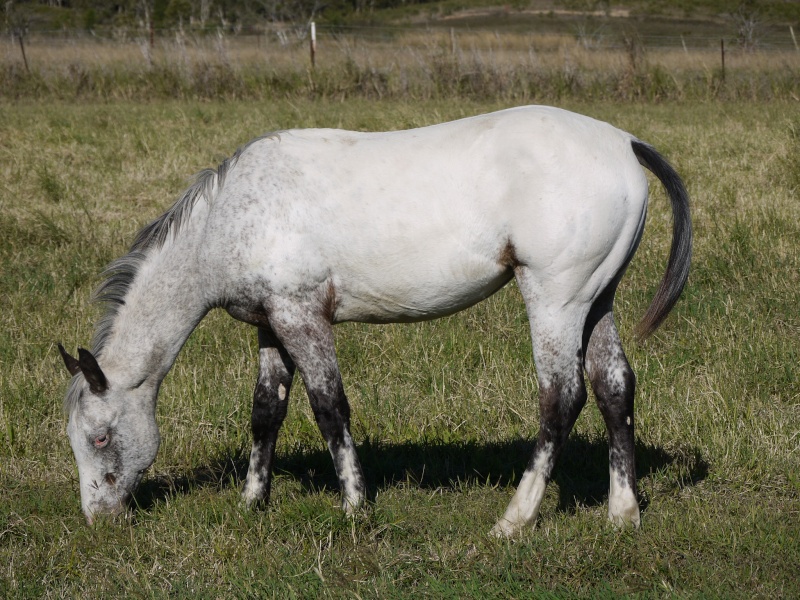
32,15
166,14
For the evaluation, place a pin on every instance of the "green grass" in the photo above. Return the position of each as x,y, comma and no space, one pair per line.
444,413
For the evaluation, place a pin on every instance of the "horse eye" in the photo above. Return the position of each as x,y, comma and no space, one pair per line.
101,441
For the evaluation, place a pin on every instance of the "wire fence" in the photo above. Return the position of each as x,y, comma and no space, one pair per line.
775,40
403,61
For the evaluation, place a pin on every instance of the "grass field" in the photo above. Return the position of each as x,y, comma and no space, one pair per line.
444,413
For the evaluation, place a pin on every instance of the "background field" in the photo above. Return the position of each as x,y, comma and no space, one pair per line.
534,51
509,63
98,136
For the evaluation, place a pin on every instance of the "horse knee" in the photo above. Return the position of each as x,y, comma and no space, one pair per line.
271,393
269,407
332,414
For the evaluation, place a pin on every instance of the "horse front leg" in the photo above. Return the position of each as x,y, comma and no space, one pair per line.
332,413
308,337
270,401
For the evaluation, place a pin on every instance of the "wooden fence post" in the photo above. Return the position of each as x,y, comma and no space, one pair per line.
19,33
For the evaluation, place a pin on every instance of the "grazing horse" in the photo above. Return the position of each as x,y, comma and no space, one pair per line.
303,229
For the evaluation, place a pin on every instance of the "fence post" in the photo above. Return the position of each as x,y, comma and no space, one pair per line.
19,33
722,53
149,26
313,44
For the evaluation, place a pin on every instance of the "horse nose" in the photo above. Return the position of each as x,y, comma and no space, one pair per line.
103,510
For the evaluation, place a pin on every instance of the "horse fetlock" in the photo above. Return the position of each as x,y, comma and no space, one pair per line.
255,490
524,506
353,492
623,509
506,529
352,503
515,520
624,516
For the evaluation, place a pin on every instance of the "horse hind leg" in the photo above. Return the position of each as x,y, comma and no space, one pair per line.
556,337
270,401
614,383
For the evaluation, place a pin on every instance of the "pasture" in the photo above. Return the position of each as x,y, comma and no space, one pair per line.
444,413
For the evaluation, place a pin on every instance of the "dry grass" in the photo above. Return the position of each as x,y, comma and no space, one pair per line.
401,63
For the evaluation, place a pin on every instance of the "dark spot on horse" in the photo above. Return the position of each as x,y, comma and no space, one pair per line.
329,302
111,479
508,256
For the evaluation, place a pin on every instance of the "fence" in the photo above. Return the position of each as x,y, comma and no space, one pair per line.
776,40
380,61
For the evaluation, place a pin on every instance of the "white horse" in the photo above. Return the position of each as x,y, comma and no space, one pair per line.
303,229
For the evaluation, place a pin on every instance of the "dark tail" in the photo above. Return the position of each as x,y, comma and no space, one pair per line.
680,255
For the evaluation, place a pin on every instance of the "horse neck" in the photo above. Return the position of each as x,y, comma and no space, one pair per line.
163,305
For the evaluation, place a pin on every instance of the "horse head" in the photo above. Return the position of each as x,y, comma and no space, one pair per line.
113,433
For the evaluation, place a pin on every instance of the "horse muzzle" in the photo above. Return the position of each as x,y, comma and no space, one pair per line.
103,510
106,501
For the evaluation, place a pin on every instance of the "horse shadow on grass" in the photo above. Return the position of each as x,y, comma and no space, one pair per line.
581,473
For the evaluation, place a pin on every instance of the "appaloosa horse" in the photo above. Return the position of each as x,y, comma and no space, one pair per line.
303,229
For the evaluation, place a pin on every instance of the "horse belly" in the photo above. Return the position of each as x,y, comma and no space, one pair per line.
427,294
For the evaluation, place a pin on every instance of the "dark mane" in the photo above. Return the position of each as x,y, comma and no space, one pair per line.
120,274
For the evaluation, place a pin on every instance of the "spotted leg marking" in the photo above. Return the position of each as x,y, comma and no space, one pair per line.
308,337
614,383
332,412
562,395
270,401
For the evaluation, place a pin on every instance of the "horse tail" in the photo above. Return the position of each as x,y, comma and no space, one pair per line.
680,254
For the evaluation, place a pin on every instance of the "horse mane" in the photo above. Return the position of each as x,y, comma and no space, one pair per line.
121,273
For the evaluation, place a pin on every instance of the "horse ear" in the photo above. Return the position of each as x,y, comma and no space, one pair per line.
69,361
92,372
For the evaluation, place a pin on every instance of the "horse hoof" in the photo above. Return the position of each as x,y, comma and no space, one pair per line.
626,518
504,529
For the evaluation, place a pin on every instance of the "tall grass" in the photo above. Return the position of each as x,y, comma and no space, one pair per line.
478,65
444,413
